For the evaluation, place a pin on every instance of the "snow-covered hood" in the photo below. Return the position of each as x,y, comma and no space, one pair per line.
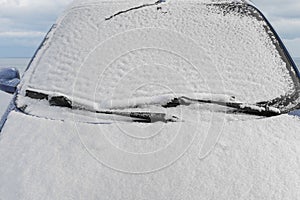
46,159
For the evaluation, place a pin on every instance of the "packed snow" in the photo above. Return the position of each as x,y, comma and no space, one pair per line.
131,62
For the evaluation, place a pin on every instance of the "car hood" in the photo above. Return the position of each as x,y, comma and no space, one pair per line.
49,159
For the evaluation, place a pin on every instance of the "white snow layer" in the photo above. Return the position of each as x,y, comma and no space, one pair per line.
55,160
174,47
184,48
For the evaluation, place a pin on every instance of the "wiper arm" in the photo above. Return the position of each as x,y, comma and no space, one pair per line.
253,109
165,101
145,117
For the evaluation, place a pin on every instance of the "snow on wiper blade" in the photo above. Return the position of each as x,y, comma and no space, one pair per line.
111,104
157,100
62,101
254,109
166,101
146,117
171,100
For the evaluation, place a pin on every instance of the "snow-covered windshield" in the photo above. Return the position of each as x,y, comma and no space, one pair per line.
106,51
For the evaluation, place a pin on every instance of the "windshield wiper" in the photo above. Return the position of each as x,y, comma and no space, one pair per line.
145,117
253,109
166,101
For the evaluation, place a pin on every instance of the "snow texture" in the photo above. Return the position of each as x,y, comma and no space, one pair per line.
252,160
187,47
176,47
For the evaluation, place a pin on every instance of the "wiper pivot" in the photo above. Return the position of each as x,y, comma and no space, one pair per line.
60,101
36,95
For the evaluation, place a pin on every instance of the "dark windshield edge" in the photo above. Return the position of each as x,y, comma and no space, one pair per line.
249,9
280,47
288,102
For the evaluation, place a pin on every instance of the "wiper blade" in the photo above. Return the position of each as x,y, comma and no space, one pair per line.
145,117
253,109
165,101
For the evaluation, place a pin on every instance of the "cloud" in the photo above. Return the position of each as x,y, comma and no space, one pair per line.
293,46
285,18
289,28
33,4
30,13
279,8
29,9
24,23
17,34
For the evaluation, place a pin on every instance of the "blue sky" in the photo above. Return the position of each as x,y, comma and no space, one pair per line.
25,22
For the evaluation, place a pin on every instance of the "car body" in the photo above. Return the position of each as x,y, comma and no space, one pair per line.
160,100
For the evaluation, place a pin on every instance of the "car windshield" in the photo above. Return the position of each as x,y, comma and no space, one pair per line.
105,52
